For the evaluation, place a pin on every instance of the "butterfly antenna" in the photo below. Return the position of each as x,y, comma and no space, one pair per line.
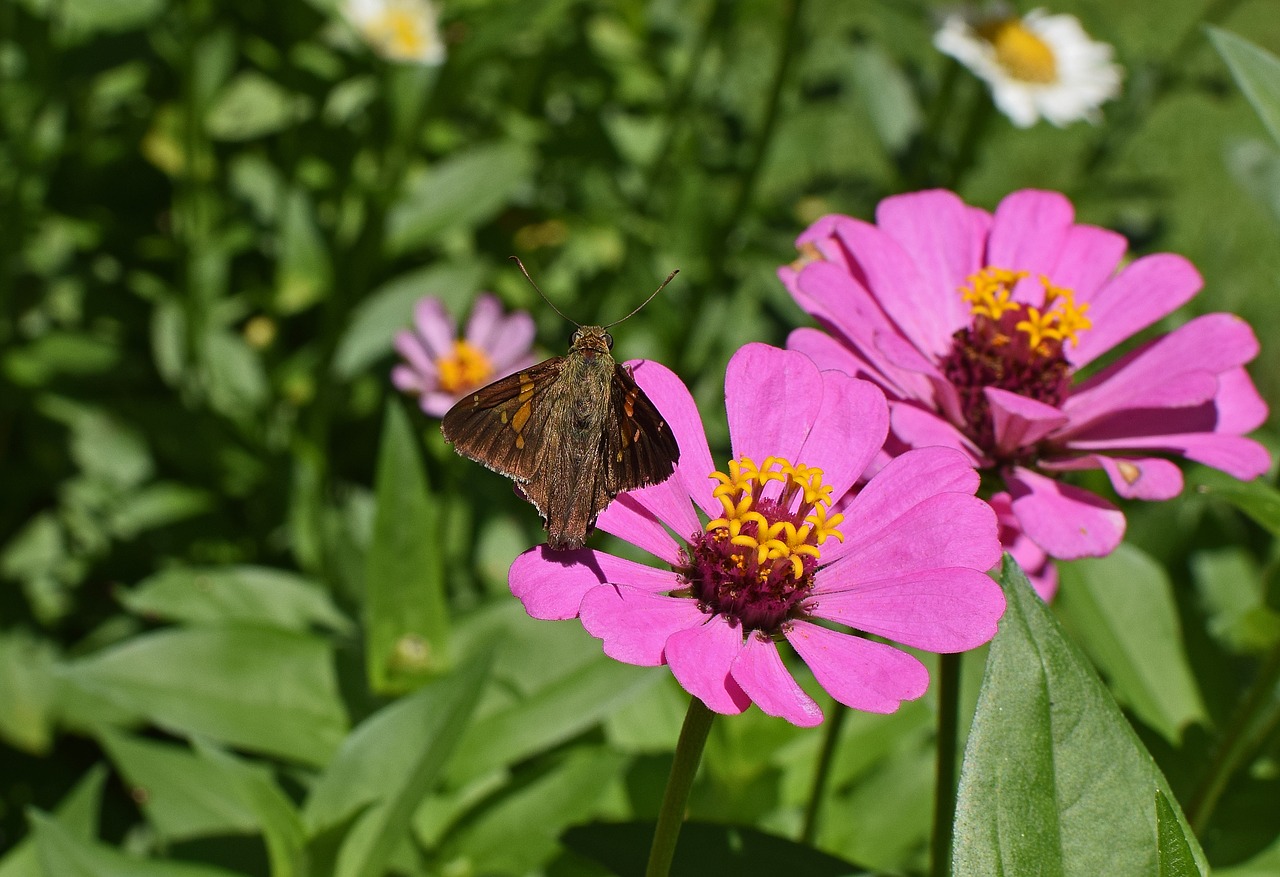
520,264
651,297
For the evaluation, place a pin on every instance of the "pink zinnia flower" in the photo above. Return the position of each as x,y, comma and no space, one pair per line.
905,561
976,326
440,368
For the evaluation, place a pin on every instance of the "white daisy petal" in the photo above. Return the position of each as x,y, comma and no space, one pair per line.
1039,66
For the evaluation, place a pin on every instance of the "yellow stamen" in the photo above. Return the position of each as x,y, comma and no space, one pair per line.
740,489
989,294
466,367
1019,51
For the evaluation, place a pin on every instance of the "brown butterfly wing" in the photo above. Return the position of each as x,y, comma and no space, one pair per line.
502,425
639,447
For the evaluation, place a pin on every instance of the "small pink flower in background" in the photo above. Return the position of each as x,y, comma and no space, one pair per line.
976,325
905,561
440,368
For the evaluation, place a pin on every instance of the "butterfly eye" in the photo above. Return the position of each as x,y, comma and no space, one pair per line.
577,336
608,340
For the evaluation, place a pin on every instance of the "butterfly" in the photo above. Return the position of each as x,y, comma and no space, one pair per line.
573,432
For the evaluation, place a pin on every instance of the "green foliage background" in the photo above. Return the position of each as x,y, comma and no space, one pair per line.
248,626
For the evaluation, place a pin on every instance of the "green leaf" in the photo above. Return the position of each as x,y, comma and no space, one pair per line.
64,854
1123,612
263,689
372,328
1264,864
157,505
236,593
888,96
459,192
517,832
556,713
406,611
388,764
251,106
1256,71
1054,780
1176,858
704,848
237,382
1231,590
303,272
78,814
1257,499
59,353
272,810
181,795
26,690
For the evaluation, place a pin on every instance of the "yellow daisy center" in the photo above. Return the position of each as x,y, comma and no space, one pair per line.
1019,51
403,33
755,563
466,367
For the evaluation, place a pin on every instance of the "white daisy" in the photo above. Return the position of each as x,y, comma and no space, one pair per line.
399,30
1039,65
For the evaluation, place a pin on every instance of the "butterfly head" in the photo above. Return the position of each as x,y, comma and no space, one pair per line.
592,340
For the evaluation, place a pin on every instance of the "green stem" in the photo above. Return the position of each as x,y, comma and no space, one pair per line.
944,799
1237,741
919,166
693,736
822,773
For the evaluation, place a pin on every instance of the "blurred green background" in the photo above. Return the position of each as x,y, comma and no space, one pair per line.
215,215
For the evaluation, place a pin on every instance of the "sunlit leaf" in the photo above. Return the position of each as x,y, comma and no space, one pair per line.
1054,780
64,854
1256,71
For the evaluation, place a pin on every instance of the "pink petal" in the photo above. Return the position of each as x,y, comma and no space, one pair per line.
634,625
629,517
920,428
1148,289
700,659
1020,422
951,528
509,347
550,584
939,610
435,326
406,380
1040,570
936,229
672,398
762,675
436,403
772,397
1088,259
1175,370
1239,457
1240,407
1029,230
918,308
903,483
409,346
840,300
859,673
486,314
1149,478
828,354
850,430
1065,521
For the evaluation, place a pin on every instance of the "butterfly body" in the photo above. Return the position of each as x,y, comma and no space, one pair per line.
573,432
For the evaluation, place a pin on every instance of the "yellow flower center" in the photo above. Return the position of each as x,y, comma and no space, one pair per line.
755,564
402,32
1019,51
466,367
989,294
770,532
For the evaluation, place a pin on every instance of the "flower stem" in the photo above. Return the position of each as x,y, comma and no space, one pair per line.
693,736
821,773
944,796
1241,736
